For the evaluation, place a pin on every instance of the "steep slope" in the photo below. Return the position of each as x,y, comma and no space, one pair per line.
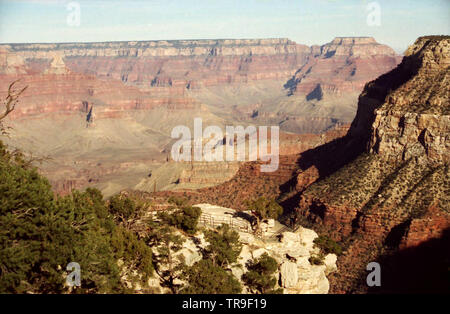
327,86
382,190
395,195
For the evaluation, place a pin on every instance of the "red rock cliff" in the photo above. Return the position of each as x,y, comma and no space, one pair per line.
391,202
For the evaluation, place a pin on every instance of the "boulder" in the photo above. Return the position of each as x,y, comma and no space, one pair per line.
307,237
258,252
289,274
330,263
289,237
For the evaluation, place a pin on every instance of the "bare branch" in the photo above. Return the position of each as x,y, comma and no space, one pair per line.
12,99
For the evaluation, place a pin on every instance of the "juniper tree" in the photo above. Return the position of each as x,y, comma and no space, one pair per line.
205,277
168,265
185,218
263,208
224,246
260,275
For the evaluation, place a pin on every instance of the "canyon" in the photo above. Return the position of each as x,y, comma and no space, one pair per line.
100,114
379,188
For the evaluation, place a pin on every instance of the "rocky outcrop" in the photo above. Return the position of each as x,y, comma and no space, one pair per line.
10,63
57,66
147,88
187,64
344,65
295,274
392,199
414,120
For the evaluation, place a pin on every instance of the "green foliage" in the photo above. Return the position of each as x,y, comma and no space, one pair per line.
168,266
265,208
328,245
259,277
123,207
41,234
178,201
224,246
204,277
133,252
185,219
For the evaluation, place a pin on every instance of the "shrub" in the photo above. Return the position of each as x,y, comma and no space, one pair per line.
316,259
328,245
260,277
185,219
264,208
178,201
204,277
224,246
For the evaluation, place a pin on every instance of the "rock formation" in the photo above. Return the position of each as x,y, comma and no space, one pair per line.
11,63
343,65
382,189
179,63
295,274
147,88
57,66
391,202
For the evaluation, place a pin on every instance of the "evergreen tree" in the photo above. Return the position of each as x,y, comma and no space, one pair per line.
123,208
40,234
185,219
259,277
204,277
168,266
264,208
224,246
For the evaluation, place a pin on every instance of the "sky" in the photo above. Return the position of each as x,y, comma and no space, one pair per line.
395,23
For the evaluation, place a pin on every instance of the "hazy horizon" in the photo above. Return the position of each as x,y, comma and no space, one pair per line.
306,22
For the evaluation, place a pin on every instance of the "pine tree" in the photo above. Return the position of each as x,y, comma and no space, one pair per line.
224,246
260,275
204,277
168,265
264,208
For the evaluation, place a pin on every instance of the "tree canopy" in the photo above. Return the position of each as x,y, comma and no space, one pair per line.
204,277
40,234
224,246
260,275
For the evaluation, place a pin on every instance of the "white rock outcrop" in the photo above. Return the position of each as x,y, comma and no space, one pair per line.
296,275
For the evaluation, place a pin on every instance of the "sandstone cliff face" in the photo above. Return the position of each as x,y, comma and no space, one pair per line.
414,120
342,66
163,48
189,64
395,194
145,89
11,63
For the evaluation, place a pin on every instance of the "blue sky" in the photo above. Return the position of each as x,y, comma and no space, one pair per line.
304,21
